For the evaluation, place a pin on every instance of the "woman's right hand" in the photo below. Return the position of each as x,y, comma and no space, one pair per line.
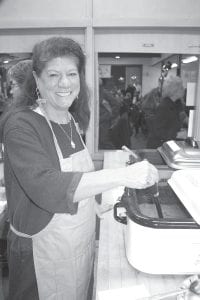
140,175
137,176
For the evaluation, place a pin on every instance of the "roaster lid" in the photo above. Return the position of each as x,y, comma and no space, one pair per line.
186,185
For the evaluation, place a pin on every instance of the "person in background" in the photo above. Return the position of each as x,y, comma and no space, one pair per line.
149,104
2,103
138,91
134,90
167,123
184,114
131,89
133,112
107,103
50,178
17,75
121,129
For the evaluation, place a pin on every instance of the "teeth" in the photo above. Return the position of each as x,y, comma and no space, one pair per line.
63,94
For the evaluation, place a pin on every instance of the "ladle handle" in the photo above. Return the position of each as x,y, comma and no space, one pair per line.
131,152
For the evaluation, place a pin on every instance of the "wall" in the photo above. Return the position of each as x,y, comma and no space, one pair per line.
50,13
146,13
23,40
45,13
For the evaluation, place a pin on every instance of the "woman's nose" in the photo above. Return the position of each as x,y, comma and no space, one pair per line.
64,81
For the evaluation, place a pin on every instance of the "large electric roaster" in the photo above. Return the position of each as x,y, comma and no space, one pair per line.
162,234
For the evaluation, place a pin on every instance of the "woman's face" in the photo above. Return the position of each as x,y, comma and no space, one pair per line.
59,82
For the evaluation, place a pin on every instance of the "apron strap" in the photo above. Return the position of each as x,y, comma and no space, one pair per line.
78,130
21,234
42,111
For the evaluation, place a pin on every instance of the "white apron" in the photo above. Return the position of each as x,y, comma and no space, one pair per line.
63,251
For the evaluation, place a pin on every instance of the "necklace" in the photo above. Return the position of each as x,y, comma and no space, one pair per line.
66,134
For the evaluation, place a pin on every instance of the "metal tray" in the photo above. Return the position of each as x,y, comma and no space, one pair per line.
179,155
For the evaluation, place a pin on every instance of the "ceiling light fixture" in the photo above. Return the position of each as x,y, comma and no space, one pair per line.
117,57
133,77
174,65
189,59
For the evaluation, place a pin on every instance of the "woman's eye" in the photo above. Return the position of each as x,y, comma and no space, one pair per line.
72,74
53,75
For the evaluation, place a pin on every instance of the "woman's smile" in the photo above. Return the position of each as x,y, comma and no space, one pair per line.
64,93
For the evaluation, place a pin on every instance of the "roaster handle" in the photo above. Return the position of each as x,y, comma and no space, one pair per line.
119,219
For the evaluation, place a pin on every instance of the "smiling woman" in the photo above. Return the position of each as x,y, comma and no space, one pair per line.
53,158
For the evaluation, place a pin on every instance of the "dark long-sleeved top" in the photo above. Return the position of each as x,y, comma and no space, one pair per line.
36,188
166,123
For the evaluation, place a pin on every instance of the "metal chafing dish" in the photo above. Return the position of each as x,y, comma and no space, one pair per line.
180,154
172,154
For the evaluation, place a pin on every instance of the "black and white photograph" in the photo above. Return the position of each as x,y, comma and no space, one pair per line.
99,150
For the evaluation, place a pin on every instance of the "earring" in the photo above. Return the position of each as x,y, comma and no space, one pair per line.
39,99
37,93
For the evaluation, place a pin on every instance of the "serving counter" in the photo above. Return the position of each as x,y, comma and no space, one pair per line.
113,268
